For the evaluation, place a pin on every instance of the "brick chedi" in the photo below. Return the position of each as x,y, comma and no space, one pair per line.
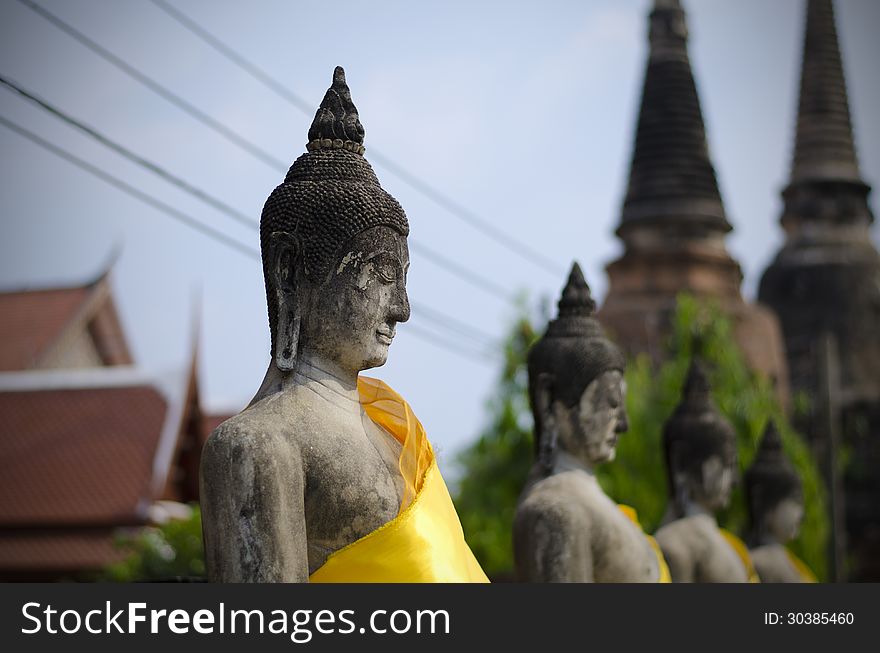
826,280
673,224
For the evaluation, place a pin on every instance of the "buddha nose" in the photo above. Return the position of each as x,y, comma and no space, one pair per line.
622,422
399,310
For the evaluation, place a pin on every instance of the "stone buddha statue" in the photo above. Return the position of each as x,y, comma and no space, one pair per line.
566,528
323,457
775,501
700,454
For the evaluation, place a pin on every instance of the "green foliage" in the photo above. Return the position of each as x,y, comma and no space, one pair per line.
497,464
637,477
171,551
494,469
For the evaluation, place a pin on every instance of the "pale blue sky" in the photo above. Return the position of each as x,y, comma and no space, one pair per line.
522,112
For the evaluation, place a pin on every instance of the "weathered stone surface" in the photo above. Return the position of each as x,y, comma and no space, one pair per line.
700,454
566,529
774,497
302,471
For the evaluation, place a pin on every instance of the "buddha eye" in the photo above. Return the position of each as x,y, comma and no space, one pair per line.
386,268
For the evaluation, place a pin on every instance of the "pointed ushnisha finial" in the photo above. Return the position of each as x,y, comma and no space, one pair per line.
696,396
336,124
696,429
576,296
771,477
576,316
770,446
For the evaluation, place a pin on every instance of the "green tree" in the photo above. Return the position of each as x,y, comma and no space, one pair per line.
494,469
496,465
172,551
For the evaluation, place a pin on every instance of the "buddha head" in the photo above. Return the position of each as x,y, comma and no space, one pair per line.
576,384
699,448
774,494
334,248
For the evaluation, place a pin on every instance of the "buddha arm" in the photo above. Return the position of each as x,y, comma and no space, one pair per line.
554,547
252,508
678,559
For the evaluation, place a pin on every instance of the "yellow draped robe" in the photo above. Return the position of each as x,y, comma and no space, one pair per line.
425,542
805,572
743,552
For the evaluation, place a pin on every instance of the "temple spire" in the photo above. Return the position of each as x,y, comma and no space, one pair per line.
824,148
671,177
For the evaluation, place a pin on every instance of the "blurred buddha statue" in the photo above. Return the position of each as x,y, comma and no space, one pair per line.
566,528
700,452
776,507
327,475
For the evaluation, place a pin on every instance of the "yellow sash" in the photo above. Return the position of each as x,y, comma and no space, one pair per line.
424,543
743,552
805,572
633,516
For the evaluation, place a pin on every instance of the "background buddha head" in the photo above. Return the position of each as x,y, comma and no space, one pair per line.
334,248
699,448
774,494
576,384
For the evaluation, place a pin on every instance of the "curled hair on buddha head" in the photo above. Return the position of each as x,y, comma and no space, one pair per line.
571,354
696,430
330,195
770,478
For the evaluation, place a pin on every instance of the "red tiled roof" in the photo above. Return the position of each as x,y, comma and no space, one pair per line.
77,456
31,320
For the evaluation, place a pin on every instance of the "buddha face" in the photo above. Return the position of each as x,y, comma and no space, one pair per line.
716,483
783,521
354,313
589,431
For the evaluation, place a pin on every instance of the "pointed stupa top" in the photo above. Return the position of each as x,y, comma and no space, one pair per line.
671,176
824,148
337,124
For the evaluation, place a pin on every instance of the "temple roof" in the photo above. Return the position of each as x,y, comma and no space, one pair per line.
79,455
39,327
824,148
671,175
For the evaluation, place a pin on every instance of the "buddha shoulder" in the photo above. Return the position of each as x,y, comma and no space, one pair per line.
557,498
258,435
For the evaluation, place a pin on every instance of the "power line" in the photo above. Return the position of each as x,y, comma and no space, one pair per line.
460,271
212,201
441,319
436,196
131,190
157,88
451,345
131,156
436,258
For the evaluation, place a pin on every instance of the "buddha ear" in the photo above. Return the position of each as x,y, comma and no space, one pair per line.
287,278
549,435
681,490
544,397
